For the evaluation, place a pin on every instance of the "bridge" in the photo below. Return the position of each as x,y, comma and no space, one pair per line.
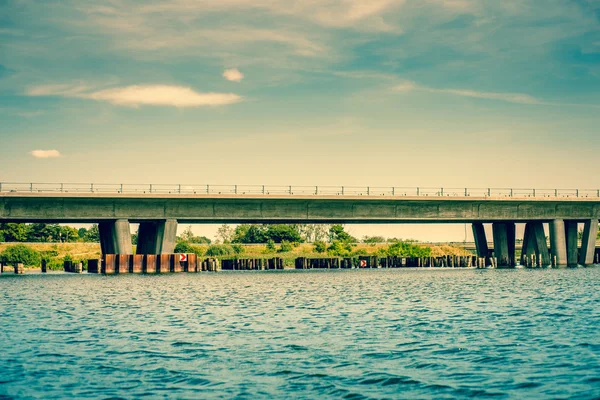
159,208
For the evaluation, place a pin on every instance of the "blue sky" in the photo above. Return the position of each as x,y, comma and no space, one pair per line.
433,93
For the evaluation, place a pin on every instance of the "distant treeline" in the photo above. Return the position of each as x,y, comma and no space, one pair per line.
52,233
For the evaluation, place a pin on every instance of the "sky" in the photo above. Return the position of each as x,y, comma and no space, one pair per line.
428,93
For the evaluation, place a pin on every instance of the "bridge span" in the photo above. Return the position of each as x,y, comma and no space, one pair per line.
159,208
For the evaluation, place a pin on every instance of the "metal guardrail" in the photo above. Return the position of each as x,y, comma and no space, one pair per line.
293,190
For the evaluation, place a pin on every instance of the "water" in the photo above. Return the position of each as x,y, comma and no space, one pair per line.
326,334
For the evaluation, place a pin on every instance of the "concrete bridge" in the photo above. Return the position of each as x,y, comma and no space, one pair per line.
159,208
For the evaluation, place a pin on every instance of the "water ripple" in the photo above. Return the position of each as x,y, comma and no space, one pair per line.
303,334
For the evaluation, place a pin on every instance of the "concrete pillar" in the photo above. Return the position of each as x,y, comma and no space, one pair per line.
500,243
528,241
157,237
588,242
115,237
146,243
511,235
480,239
558,241
571,239
540,242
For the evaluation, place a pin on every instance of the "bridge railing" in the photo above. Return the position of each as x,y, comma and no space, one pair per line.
372,191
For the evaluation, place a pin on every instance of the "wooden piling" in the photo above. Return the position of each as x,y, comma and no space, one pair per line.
109,262
165,262
19,269
94,266
137,263
123,264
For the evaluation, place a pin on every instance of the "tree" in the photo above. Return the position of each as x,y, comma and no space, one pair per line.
187,235
68,234
337,233
43,232
373,239
225,234
13,232
92,235
313,232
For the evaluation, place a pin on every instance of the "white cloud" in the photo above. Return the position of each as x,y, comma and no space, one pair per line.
136,95
233,74
519,98
45,153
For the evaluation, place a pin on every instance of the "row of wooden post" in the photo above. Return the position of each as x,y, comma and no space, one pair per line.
245,264
150,264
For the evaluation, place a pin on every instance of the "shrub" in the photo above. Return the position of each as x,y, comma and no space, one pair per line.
21,254
406,249
238,249
270,245
220,250
286,247
339,248
320,246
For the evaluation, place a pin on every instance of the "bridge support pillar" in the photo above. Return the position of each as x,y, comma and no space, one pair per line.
571,239
534,242
588,242
115,237
480,240
157,237
558,241
504,243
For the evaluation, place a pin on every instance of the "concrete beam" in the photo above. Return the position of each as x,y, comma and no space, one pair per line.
480,239
588,242
115,237
73,207
558,241
572,246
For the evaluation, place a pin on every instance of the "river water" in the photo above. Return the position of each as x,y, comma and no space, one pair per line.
303,334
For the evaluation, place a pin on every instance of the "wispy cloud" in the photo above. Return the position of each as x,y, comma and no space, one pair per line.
519,98
233,74
137,95
45,153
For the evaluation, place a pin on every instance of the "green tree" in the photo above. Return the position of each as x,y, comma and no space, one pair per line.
13,232
337,233
68,234
92,235
43,233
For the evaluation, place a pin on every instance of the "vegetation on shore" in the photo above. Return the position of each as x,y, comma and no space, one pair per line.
56,244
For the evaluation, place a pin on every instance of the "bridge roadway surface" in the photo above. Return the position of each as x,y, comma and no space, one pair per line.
214,208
